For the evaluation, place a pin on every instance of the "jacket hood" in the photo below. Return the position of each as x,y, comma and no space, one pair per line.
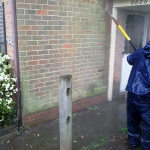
147,49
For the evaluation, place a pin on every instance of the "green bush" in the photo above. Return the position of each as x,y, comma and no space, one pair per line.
7,90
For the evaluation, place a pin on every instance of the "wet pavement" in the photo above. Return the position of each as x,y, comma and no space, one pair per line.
101,127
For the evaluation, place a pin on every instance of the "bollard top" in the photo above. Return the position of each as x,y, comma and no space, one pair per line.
66,77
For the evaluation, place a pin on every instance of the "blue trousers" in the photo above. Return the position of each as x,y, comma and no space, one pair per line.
138,120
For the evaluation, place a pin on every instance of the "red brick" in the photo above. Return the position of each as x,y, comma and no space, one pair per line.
88,31
85,1
42,12
72,50
100,44
47,117
53,42
26,119
67,46
78,103
54,116
35,116
62,59
48,7
34,122
69,36
38,85
43,61
67,54
75,108
36,27
53,51
33,62
54,110
38,76
39,94
93,2
34,90
26,27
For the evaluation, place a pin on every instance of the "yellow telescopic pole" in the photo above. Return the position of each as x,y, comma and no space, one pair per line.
118,25
123,32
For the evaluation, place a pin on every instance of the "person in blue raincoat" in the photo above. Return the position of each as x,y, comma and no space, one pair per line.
138,98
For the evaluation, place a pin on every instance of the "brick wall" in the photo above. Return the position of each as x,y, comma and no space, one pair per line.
58,37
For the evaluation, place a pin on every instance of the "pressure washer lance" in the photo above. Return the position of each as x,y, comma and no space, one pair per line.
121,29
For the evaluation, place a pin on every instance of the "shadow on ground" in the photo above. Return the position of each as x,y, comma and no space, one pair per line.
95,128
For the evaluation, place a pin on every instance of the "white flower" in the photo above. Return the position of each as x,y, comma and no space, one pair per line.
7,84
14,79
11,88
7,87
8,107
1,61
1,120
6,57
9,101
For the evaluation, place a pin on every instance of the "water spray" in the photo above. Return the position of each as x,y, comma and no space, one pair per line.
118,25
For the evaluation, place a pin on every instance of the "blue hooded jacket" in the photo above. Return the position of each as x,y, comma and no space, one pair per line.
139,79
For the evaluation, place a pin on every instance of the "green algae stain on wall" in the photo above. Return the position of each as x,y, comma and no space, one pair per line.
97,91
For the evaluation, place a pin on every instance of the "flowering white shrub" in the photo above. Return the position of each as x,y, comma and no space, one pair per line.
7,90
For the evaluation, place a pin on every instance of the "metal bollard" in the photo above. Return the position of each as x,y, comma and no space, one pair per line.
65,112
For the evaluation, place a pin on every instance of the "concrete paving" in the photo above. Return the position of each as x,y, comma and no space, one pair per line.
98,127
